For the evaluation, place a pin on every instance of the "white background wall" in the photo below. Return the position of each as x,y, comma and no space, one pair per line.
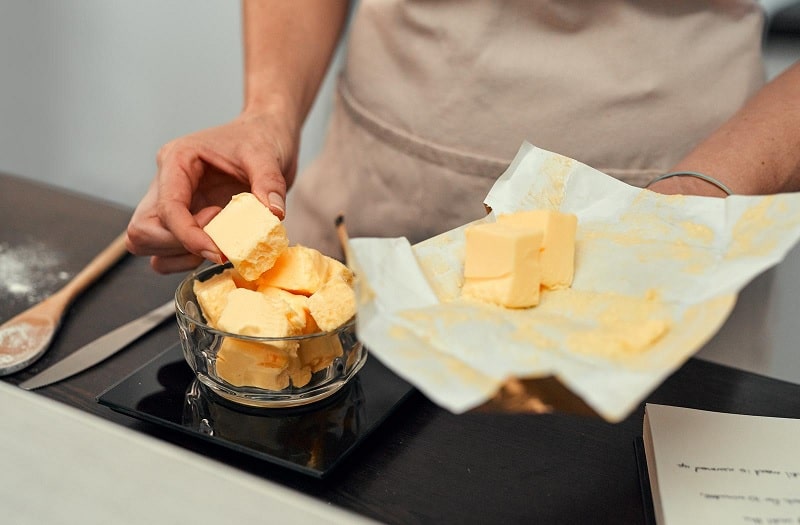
90,89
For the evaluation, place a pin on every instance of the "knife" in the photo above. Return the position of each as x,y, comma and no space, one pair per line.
101,348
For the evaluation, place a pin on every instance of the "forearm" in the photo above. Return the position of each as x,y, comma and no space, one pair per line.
288,46
757,151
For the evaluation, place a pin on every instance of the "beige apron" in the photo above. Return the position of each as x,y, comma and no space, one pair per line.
436,97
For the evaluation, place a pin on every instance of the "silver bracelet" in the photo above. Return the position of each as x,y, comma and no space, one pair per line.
694,174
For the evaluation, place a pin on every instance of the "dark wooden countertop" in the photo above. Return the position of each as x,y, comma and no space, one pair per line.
423,465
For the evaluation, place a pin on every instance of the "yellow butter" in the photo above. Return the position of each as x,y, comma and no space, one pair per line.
297,302
501,264
212,295
247,363
557,256
298,269
266,378
248,234
240,281
337,270
249,312
317,353
333,304
300,377
303,270
277,291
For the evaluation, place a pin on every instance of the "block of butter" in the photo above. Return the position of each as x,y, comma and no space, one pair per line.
501,264
333,304
248,234
249,363
318,352
249,312
212,294
337,270
298,374
558,243
300,270
297,302
276,291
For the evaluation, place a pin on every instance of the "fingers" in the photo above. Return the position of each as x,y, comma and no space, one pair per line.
183,226
178,263
149,237
147,234
197,175
268,183
179,175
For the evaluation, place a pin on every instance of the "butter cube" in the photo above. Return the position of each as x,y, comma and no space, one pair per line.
297,302
558,243
249,312
266,378
299,375
337,270
319,352
212,295
246,363
240,281
333,304
298,269
501,265
248,234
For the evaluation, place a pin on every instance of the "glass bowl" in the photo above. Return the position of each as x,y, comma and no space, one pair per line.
331,358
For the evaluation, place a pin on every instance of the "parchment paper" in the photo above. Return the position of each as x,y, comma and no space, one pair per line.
645,264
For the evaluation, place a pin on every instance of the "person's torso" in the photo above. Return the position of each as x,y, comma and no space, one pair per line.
620,85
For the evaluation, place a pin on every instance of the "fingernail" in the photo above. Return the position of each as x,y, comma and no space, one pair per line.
276,204
211,256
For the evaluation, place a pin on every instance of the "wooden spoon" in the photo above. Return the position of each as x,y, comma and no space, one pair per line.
25,337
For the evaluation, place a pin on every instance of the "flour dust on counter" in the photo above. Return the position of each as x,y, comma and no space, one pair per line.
29,272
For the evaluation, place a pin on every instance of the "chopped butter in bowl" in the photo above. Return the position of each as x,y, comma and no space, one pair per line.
282,336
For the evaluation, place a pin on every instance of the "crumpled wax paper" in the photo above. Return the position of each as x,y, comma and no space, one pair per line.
655,278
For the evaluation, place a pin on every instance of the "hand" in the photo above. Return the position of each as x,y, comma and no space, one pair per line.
197,175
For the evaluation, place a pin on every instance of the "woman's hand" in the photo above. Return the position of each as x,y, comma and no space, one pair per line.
198,174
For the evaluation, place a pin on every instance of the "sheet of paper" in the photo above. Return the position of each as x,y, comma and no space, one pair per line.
655,278
722,468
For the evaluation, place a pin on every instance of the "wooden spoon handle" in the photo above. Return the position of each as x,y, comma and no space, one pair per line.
96,267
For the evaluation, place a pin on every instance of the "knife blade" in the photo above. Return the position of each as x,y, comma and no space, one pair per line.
101,348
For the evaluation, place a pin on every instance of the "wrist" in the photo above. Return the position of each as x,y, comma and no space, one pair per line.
273,111
689,183
265,96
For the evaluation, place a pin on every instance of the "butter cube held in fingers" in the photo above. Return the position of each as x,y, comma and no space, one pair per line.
558,243
248,234
501,265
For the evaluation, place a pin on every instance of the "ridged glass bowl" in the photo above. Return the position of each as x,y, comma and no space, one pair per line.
331,358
